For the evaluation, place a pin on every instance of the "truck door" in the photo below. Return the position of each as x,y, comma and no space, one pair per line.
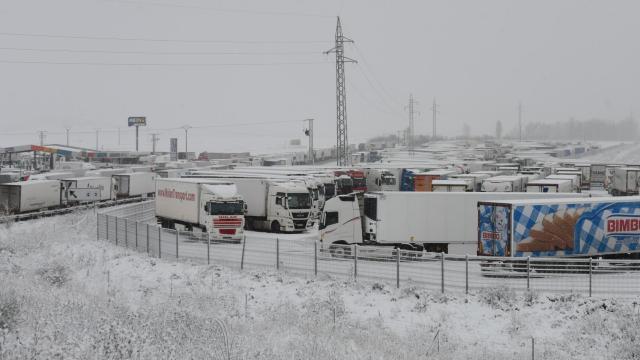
494,229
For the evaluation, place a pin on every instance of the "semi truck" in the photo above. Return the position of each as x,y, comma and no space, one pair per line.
475,177
505,183
410,221
272,205
141,184
550,186
24,196
569,227
214,207
626,181
452,185
87,189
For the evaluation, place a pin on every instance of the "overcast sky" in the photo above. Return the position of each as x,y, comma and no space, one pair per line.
478,59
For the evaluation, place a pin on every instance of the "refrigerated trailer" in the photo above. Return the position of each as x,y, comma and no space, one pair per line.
212,206
569,227
414,221
24,196
505,183
550,186
135,184
626,181
87,189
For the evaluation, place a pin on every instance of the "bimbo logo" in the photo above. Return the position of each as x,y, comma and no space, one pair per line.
491,235
623,224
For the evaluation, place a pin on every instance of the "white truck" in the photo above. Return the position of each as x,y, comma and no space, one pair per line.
477,179
550,186
212,206
626,181
380,180
411,221
87,189
24,196
452,185
141,184
505,183
272,205
575,180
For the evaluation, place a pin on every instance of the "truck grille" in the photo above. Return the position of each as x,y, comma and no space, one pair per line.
300,224
300,215
227,223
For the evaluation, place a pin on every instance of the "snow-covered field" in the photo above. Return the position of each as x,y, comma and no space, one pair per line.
628,153
65,295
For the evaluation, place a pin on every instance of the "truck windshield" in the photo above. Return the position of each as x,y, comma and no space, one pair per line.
329,190
314,193
226,208
388,180
299,201
359,183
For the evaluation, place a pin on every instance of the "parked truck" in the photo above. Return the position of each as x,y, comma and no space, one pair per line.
272,205
626,181
452,185
505,183
570,227
141,184
214,207
24,196
550,186
411,221
87,189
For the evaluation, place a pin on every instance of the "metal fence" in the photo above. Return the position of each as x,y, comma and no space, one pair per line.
134,226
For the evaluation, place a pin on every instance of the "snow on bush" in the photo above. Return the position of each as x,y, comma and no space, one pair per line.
66,295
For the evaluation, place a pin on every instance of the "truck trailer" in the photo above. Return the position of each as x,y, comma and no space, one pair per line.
135,184
412,221
569,227
626,181
87,189
550,186
212,206
24,196
505,183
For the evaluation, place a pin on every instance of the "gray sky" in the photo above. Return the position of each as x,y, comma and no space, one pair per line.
478,58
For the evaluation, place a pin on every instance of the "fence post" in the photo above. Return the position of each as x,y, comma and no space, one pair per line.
355,262
159,242
116,230
244,243
126,233
147,238
442,272
590,275
533,348
398,268
106,217
98,227
466,274
528,271
136,235
277,253
177,235
315,258
208,248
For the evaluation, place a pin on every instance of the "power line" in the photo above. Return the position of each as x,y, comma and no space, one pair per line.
99,51
226,10
370,70
195,41
37,62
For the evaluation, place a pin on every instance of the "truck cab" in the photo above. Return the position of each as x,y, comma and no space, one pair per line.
223,215
290,208
340,222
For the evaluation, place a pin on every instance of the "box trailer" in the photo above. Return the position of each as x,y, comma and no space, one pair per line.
24,196
550,186
505,183
574,178
569,227
428,220
476,178
452,185
212,206
422,180
87,189
135,184
625,181
598,174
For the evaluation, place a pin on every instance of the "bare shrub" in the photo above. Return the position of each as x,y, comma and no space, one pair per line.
54,273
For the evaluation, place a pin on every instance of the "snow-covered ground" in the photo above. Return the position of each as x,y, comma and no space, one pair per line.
627,153
65,295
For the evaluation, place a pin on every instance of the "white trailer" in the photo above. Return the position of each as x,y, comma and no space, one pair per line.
452,185
212,206
625,181
412,221
477,179
24,196
135,184
575,180
271,204
87,189
550,186
505,183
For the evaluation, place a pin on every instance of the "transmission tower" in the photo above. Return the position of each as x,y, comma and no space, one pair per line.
435,111
342,141
411,133
42,135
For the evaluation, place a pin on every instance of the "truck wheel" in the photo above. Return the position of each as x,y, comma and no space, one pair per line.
275,227
340,249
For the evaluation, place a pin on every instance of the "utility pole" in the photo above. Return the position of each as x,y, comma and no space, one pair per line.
119,139
520,120
97,139
342,139
434,108
186,141
67,131
154,140
411,132
309,133
41,135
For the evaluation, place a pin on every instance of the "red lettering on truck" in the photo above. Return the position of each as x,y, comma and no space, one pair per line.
621,224
179,195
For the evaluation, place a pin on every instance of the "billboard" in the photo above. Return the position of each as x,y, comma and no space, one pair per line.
173,149
137,121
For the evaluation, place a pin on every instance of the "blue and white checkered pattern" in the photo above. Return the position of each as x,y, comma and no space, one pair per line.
590,235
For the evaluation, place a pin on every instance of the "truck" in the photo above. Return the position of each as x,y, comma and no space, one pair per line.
476,178
380,180
582,184
505,183
422,180
625,181
272,205
24,196
569,227
452,185
550,186
598,174
141,184
87,189
430,221
211,206
575,180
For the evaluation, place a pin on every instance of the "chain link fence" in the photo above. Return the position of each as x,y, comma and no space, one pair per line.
134,226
